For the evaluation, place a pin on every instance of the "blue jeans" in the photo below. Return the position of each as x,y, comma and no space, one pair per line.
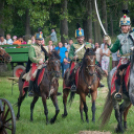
62,68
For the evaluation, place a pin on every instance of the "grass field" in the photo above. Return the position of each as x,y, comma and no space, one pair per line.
70,125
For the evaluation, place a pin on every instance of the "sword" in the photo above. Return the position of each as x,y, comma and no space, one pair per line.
98,16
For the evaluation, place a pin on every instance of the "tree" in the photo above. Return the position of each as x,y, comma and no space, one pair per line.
64,23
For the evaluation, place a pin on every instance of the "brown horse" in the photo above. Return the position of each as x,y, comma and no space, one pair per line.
87,84
50,80
4,57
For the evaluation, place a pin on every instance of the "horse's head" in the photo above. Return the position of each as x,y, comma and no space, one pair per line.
54,64
4,57
89,61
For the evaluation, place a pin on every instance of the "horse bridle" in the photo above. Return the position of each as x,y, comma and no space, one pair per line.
91,65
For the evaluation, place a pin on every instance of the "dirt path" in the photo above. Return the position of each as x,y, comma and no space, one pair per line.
93,132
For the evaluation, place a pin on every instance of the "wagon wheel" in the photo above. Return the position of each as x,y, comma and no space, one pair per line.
7,118
18,70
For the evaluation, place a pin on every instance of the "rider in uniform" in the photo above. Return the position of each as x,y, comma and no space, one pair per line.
76,54
36,56
124,42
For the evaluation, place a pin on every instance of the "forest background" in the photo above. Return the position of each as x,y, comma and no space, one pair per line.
24,17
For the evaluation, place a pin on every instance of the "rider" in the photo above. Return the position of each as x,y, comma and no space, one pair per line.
36,56
76,53
124,42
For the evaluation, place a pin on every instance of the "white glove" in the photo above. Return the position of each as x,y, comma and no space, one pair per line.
107,39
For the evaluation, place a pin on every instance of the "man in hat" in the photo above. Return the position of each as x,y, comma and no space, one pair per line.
36,56
124,42
76,53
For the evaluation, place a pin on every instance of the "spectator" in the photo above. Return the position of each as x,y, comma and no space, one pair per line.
90,41
68,45
18,42
62,51
105,53
98,54
33,40
103,44
66,61
14,38
53,36
2,40
114,60
50,47
9,40
23,41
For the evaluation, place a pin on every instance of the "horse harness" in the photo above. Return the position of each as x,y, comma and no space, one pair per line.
92,74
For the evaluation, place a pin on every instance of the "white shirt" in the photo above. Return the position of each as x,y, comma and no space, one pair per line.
3,43
102,46
97,52
9,41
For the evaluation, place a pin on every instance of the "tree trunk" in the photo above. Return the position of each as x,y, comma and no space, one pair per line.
1,17
97,30
88,33
28,30
125,5
64,23
104,14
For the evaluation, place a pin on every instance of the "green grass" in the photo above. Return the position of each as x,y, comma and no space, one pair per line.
70,125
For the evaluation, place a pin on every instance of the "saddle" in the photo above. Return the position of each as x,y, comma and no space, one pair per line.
37,81
115,81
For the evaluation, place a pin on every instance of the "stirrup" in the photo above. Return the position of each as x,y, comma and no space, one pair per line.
73,88
118,97
31,93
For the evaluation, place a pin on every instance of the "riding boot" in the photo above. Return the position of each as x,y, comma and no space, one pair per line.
73,87
101,85
30,89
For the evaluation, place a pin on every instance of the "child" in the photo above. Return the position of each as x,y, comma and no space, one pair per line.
66,61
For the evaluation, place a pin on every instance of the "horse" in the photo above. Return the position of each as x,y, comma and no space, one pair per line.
4,57
123,108
87,84
49,80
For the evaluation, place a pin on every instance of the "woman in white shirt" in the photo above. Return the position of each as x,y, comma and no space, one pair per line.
98,53
105,58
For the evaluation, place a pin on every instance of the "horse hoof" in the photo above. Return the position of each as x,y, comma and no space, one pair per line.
93,121
117,130
87,120
47,122
52,120
17,117
31,120
64,115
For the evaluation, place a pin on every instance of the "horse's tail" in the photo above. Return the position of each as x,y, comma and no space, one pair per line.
72,95
107,110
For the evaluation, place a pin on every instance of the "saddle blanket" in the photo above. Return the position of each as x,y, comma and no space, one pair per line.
114,78
38,80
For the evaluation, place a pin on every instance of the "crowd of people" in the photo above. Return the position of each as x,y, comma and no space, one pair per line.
102,51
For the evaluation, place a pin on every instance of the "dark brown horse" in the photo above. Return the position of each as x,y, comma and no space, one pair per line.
88,82
50,80
4,57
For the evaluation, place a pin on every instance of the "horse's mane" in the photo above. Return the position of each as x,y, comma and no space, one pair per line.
55,55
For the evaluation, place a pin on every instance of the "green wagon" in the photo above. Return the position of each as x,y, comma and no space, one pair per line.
19,57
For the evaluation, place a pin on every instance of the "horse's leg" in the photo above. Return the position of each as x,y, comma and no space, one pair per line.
83,98
20,99
94,95
118,116
32,107
55,102
81,109
125,116
65,95
45,105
